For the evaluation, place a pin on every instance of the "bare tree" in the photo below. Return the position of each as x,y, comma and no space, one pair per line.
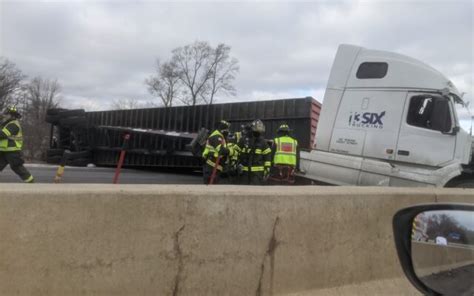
124,104
165,84
223,71
193,66
39,95
195,74
10,82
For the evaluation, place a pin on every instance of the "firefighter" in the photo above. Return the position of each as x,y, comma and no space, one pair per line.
11,144
285,157
232,162
254,155
215,153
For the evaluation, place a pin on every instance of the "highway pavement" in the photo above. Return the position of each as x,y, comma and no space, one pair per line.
44,173
459,281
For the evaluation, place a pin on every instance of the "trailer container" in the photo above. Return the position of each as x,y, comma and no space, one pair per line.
160,137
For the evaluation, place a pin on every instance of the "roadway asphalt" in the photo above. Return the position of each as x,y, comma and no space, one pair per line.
45,174
459,281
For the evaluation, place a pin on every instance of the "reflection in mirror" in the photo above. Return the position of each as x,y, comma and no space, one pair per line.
442,251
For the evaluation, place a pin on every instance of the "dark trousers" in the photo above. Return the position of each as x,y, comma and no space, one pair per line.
252,178
16,162
207,172
233,175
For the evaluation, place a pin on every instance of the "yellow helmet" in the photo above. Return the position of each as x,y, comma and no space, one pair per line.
223,125
12,110
284,128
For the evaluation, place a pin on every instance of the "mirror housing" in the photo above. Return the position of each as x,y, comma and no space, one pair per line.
454,131
403,226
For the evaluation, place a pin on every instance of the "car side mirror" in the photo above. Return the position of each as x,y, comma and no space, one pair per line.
435,246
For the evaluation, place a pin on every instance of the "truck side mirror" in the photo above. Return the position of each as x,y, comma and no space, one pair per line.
454,131
435,246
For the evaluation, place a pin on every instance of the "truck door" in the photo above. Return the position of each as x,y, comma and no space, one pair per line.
367,127
426,136
368,123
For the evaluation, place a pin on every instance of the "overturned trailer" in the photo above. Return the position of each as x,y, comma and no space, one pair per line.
161,137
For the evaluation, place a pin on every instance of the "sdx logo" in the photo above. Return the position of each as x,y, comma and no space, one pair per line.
366,119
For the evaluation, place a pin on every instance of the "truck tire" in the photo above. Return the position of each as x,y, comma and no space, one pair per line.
78,155
54,111
464,183
80,162
73,121
70,113
197,144
53,119
54,152
64,136
53,159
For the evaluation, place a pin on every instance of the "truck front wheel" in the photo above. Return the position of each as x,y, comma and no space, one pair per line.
462,183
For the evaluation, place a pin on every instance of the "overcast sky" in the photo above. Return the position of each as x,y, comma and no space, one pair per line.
103,50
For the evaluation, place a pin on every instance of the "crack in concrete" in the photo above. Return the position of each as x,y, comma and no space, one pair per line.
179,255
270,252
97,263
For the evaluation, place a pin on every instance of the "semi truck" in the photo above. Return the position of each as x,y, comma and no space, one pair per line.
389,120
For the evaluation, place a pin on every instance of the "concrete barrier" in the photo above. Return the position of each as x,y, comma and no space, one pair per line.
429,258
203,240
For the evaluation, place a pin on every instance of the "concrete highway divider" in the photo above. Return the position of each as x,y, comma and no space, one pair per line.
203,240
429,258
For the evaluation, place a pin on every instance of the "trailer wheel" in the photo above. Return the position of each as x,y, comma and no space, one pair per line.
53,119
76,121
78,155
54,152
70,113
54,111
53,159
80,162
197,144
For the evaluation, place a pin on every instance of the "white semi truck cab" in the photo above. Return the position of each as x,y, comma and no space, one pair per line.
389,120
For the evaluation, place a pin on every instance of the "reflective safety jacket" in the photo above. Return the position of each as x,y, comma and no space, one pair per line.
254,154
234,158
285,151
11,136
214,144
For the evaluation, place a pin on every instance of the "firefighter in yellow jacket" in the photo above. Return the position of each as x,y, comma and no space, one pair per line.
254,155
216,152
232,164
11,144
285,157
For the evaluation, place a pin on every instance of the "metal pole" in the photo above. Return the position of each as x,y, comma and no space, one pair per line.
214,171
126,138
